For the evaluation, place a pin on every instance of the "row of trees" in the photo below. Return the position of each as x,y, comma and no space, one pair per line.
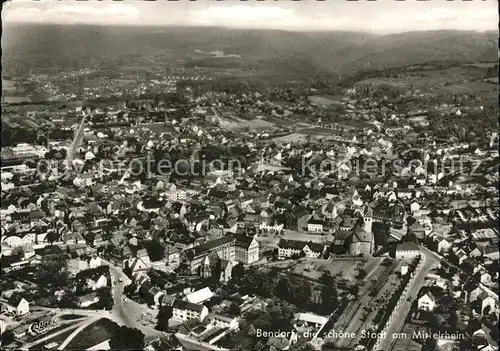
321,297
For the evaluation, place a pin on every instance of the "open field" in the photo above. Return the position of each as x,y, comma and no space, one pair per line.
278,121
290,138
463,79
347,267
325,100
59,339
472,86
237,123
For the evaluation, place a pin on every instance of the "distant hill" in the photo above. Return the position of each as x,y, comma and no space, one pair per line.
411,48
295,54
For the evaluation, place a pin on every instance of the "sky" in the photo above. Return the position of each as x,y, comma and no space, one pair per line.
381,17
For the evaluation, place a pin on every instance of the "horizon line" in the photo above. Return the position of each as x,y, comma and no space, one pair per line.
158,26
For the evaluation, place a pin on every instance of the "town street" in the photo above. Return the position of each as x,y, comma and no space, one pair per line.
123,310
429,262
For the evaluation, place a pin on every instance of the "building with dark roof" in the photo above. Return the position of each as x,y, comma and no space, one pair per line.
296,219
407,251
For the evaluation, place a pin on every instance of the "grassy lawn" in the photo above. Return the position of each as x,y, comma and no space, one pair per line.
346,267
278,121
94,334
325,99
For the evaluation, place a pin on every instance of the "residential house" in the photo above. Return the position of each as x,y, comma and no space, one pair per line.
414,206
427,302
220,321
459,255
185,310
226,270
311,319
153,295
485,278
296,219
18,305
315,225
76,265
407,251
199,296
95,262
488,303
135,267
443,246
144,256
101,282
88,299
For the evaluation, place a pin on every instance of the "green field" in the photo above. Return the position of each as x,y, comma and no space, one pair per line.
94,334
347,268
325,100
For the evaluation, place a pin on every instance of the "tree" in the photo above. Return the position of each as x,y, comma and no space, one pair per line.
361,274
105,299
127,338
52,236
216,268
69,300
453,320
164,314
329,300
238,272
250,330
234,309
156,251
410,221
7,337
354,290
130,289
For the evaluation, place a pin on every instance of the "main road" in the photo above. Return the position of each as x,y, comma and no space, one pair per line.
428,262
119,312
350,322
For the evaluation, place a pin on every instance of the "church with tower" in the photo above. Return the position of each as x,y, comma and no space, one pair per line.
362,240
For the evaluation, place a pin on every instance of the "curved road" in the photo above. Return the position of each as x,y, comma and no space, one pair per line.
119,312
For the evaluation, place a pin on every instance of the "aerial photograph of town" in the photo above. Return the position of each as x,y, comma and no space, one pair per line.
250,176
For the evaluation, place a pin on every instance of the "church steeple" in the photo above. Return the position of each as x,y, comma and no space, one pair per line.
368,219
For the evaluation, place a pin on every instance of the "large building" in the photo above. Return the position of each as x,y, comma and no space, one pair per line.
185,310
234,247
288,248
362,240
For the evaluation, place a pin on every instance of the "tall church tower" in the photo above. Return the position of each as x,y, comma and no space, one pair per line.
368,220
